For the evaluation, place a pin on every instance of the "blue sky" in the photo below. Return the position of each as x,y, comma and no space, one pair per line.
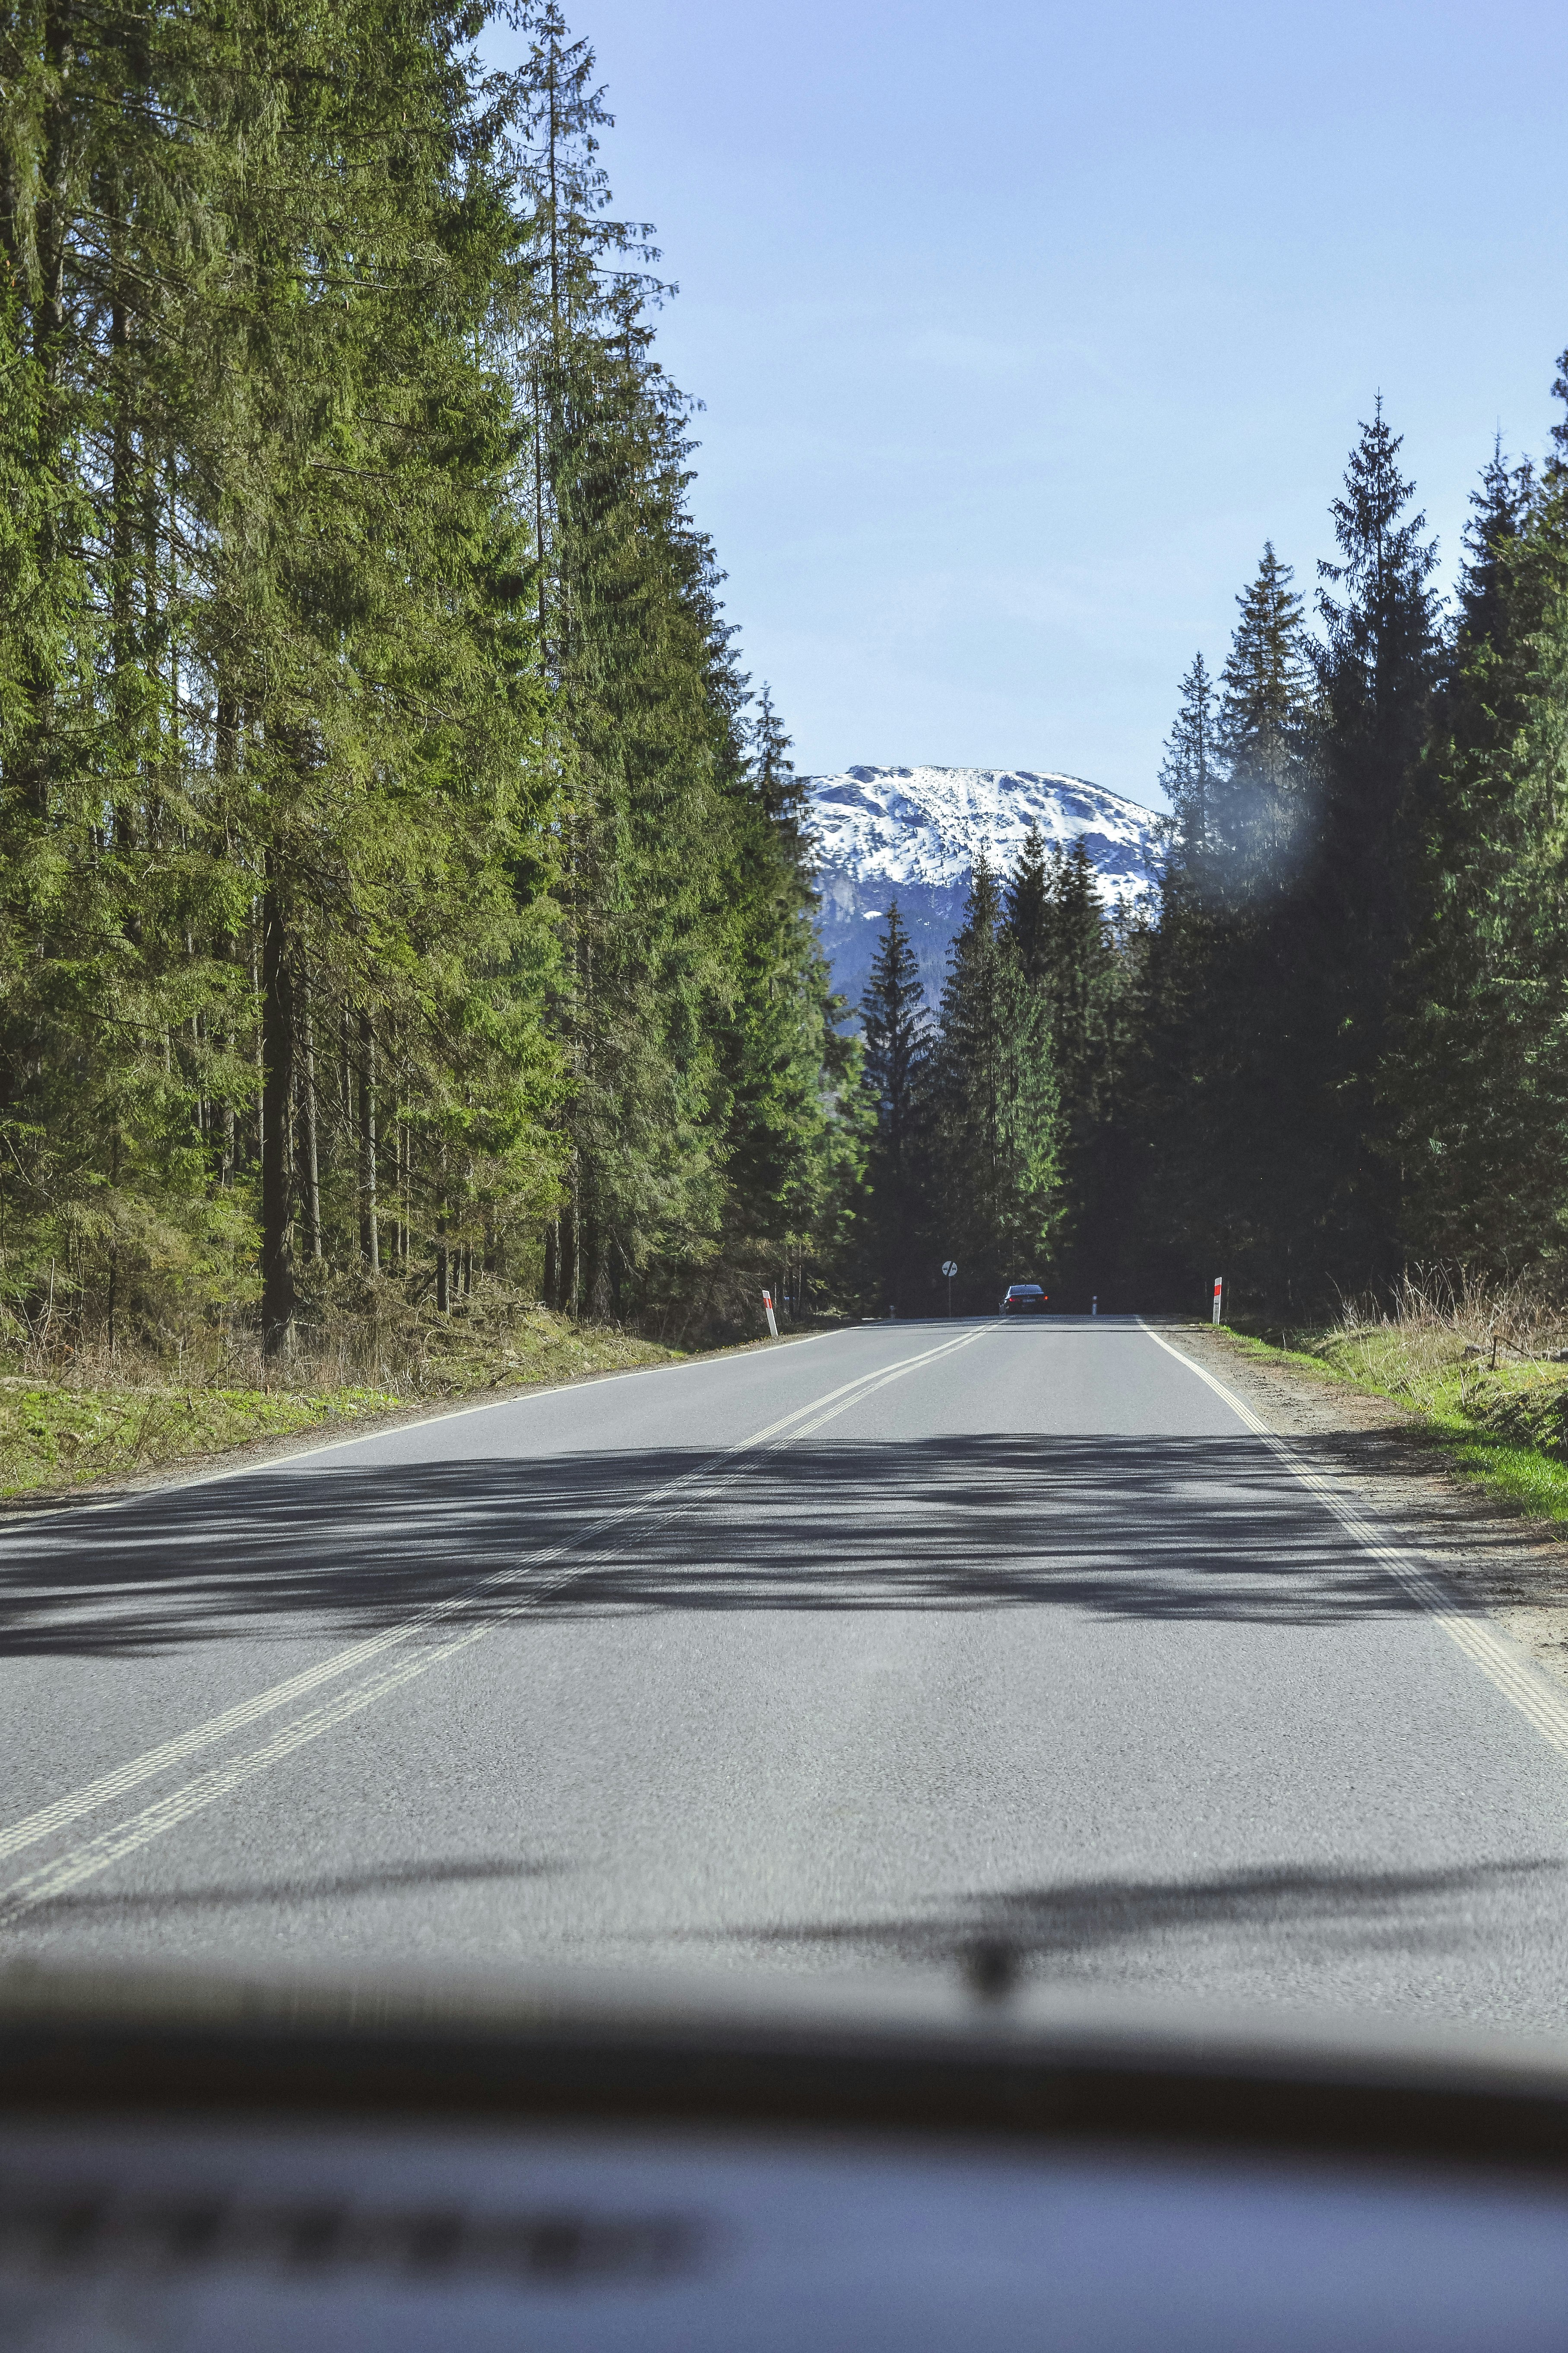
1019,329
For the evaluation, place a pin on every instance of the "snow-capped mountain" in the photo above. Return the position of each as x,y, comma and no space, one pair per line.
913,834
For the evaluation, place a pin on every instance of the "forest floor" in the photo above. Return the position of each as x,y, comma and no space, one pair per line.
92,1425
1468,1488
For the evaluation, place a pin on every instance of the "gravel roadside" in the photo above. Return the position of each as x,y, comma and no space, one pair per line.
1513,1567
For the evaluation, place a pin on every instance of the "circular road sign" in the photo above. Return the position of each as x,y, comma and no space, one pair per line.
949,1268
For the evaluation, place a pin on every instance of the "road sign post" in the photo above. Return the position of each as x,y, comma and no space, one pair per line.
1218,1295
949,1268
768,1311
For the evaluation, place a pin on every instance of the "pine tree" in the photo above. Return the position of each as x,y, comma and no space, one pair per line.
1187,769
102,225
701,1047
1222,1105
895,1029
301,712
1081,983
1476,1080
348,588
1027,904
782,793
1351,1053
1261,803
1376,673
994,1103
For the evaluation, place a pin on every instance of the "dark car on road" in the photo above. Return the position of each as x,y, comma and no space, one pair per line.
1023,1299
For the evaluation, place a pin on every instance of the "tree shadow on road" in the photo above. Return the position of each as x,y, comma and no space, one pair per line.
1314,1910
1198,1529
395,1879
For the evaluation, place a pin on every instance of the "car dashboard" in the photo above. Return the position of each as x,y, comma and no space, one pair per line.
217,2164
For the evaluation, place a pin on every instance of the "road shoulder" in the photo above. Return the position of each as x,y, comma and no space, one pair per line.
1514,1567
342,1430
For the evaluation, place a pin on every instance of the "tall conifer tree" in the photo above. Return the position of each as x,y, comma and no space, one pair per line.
995,1102
1376,673
895,1029
1476,1077
1187,771
1260,804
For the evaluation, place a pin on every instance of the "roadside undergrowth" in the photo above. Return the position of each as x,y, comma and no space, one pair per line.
1483,1370
75,1415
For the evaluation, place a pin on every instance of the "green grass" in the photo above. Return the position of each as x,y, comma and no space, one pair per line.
1505,1426
54,1436
83,1429
1530,1479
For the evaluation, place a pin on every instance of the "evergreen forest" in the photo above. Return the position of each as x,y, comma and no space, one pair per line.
403,888
1334,1053
400,885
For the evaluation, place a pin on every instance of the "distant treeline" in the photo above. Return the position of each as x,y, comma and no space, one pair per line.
1337,1047
397,877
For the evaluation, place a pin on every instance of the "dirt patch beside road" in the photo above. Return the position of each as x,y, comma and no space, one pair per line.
1513,1567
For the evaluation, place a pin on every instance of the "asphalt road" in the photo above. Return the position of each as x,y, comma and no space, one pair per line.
851,1652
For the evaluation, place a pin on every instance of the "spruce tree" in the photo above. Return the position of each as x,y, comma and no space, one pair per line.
1376,673
393,871
1220,1104
1187,769
303,716
779,789
1027,901
995,1104
1474,1080
692,1008
895,1030
1260,804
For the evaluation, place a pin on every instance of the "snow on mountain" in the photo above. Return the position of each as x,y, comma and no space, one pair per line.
913,834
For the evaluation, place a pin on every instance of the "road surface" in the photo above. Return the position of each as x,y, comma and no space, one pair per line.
850,1652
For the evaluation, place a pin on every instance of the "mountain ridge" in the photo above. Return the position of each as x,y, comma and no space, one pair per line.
913,834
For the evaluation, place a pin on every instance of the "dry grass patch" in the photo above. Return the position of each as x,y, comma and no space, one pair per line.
77,1417
1484,1367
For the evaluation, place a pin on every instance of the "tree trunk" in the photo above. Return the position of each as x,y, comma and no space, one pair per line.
312,1160
226,755
567,1275
259,994
278,1079
443,1268
114,1245
370,1234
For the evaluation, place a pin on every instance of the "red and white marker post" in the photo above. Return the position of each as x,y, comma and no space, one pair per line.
772,1320
1218,1295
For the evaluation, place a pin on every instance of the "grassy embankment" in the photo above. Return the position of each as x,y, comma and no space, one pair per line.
77,1419
1483,1374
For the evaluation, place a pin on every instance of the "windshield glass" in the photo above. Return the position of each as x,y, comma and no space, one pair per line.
519,1150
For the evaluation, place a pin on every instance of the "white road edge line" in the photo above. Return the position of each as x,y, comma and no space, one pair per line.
110,1846
367,1437
1500,1659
